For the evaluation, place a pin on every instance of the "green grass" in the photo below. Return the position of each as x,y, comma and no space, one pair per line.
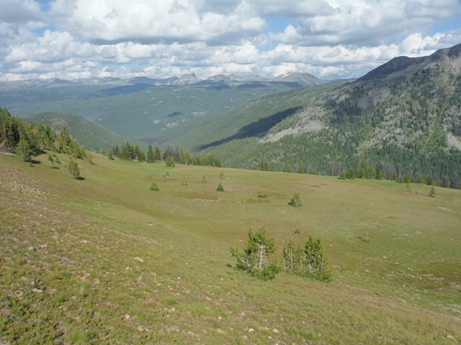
105,260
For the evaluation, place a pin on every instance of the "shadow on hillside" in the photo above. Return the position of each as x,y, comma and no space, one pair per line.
255,129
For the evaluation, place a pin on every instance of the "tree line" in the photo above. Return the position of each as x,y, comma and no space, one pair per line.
169,155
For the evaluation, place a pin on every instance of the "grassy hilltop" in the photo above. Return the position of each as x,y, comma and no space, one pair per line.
105,260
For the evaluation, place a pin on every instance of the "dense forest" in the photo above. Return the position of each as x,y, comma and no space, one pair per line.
27,140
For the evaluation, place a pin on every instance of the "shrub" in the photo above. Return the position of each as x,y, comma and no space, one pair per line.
295,200
432,192
154,187
73,169
220,188
169,162
262,195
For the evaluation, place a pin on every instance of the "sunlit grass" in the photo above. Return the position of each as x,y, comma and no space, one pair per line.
106,260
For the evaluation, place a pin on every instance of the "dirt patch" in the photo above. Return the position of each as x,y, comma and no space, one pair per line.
453,141
311,126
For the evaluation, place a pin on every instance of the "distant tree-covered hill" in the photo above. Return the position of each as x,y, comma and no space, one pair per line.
92,135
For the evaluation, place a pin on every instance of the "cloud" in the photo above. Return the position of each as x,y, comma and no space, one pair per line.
367,22
19,11
327,38
154,22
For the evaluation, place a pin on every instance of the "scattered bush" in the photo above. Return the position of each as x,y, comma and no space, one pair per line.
73,169
169,162
295,200
220,188
154,187
432,192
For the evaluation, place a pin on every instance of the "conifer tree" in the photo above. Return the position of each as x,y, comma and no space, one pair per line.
169,162
50,160
255,257
23,150
150,155
265,165
158,154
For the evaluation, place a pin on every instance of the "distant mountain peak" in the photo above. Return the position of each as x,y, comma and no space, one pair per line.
187,79
304,79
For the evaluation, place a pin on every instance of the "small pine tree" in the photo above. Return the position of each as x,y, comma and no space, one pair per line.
154,187
203,179
73,169
50,160
316,262
255,257
184,182
343,175
295,200
23,150
169,162
432,192
110,155
407,178
265,165
56,159
220,188
292,255
158,154
150,155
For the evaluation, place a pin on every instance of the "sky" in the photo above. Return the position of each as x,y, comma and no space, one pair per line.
330,39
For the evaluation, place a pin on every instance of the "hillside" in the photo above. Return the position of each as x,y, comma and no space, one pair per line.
404,116
92,135
85,262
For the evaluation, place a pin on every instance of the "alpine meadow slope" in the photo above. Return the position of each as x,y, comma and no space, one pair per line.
404,116
84,261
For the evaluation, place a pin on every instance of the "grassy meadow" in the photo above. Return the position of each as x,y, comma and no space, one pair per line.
105,260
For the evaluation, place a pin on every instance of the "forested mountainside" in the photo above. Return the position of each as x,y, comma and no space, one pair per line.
404,116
